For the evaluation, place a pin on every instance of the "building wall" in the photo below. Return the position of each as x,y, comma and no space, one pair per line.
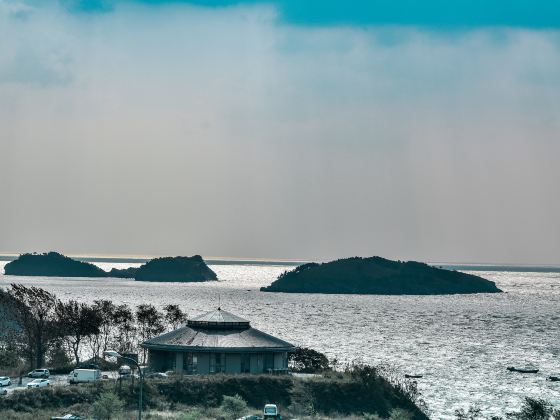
280,360
179,362
257,363
203,363
161,361
233,363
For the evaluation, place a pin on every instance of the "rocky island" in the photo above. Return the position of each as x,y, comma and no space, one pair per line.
378,276
189,269
51,264
171,269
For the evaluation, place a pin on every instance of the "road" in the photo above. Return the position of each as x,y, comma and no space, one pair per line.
55,380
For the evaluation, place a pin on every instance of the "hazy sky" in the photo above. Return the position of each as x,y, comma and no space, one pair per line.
282,129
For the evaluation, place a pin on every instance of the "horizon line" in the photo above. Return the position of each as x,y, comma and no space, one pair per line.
5,256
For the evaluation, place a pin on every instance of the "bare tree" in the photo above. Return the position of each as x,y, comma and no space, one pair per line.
124,328
99,343
77,321
150,323
33,310
174,316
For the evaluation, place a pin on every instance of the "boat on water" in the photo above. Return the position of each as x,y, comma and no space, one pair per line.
522,370
413,376
553,378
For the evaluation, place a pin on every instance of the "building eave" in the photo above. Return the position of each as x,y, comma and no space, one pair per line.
199,349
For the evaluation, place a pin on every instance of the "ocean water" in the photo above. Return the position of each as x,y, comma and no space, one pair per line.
461,344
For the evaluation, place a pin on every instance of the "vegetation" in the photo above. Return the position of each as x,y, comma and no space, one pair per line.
233,407
305,360
39,329
150,323
34,326
377,275
531,409
343,394
175,269
107,406
179,269
536,409
51,264
123,273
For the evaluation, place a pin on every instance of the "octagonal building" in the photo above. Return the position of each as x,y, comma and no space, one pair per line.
218,342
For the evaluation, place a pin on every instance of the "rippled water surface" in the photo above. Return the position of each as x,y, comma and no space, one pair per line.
461,344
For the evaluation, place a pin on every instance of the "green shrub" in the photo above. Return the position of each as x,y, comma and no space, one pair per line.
400,414
107,406
368,416
534,409
192,414
473,413
364,392
307,360
233,407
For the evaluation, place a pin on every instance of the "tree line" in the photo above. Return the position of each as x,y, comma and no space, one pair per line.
35,326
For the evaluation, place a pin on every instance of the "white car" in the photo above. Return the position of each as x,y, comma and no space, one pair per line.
38,383
39,373
5,381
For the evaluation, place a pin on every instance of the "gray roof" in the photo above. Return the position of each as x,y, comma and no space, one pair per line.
218,331
219,318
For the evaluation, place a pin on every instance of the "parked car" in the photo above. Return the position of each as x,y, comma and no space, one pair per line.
39,373
3,391
67,417
38,383
5,381
271,412
125,370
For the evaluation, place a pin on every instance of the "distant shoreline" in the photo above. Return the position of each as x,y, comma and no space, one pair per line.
527,268
140,260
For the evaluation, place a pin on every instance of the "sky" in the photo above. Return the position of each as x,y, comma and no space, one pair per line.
283,129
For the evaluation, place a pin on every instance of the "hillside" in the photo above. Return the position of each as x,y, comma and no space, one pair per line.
178,269
376,275
51,264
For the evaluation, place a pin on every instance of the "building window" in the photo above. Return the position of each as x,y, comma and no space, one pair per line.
190,363
217,362
245,363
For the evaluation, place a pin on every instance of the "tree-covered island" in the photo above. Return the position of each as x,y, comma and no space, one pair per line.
51,264
378,276
171,269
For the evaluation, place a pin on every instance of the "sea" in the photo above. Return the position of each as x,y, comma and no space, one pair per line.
460,344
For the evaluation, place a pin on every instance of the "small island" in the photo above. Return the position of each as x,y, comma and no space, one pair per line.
51,264
189,269
167,269
378,276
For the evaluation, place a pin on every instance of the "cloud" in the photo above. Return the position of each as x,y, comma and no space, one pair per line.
34,46
429,13
226,131
88,5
